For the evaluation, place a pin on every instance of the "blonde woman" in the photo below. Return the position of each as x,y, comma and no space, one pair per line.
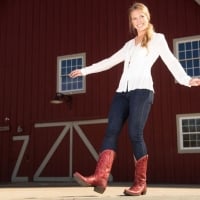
133,98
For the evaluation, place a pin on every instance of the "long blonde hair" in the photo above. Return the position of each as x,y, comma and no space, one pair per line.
150,28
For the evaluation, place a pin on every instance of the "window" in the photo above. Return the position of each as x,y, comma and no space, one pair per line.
187,50
188,133
65,64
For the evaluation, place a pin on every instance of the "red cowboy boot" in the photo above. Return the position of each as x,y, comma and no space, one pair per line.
100,178
139,186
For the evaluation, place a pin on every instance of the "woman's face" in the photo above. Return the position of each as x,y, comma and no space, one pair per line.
139,20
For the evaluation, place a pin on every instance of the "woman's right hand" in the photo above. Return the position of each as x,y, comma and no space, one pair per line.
75,73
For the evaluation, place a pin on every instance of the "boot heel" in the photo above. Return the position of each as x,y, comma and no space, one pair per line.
99,189
144,192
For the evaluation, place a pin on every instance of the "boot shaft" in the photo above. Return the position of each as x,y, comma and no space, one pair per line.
141,169
105,162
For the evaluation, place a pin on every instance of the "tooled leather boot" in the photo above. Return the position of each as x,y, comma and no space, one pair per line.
100,177
139,186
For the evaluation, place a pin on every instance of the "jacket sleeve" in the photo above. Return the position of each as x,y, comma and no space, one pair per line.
172,62
107,63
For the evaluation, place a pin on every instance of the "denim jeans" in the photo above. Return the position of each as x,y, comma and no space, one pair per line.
133,106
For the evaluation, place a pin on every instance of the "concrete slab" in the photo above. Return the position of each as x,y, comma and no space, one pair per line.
44,191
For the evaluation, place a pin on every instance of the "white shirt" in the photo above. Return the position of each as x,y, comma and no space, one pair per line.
138,62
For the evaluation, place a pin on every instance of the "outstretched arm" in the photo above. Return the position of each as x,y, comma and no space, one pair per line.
102,65
173,64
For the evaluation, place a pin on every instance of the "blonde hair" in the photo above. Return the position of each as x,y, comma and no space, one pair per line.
150,29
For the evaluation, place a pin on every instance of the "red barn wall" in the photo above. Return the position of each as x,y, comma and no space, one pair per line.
33,33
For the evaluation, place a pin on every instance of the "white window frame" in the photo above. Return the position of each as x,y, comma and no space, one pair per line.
176,42
181,148
59,79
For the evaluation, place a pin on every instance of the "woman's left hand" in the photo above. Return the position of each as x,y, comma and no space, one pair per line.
194,82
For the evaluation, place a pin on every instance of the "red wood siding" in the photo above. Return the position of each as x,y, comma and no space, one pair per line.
34,32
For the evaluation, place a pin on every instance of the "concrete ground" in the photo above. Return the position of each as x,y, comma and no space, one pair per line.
46,191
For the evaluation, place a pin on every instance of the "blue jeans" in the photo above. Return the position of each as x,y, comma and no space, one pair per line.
133,106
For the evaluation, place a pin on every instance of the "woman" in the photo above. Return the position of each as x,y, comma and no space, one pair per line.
133,98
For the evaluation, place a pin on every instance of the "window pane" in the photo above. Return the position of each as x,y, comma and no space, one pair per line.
188,46
198,121
195,45
185,137
192,128
196,71
181,55
188,54
189,63
192,136
195,54
193,144
192,121
196,63
198,136
181,47
198,143
186,144
185,122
